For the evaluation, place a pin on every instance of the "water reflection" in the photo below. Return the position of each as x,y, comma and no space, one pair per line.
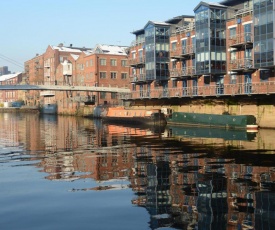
185,178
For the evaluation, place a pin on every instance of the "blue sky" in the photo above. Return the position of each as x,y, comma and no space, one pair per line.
29,26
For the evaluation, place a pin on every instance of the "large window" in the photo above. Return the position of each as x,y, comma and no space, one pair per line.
102,95
102,75
102,61
263,33
113,95
233,79
123,62
113,75
124,76
206,80
113,62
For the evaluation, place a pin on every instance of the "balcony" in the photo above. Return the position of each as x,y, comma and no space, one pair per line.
175,73
139,61
47,93
188,51
138,78
47,73
241,65
241,40
47,64
176,53
137,42
218,90
243,12
188,71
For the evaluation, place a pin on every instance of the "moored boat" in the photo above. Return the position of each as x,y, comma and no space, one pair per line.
132,116
247,122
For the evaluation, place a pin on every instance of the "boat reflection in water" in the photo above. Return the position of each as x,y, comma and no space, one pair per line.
185,178
207,132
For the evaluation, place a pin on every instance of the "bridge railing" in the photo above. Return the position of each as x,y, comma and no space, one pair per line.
61,83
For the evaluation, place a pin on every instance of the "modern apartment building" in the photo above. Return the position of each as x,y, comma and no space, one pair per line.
225,49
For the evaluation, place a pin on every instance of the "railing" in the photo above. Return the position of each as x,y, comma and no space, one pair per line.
137,42
190,49
240,39
184,72
241,64
184,29
188,71
136,61
176,52
182,51
205,91
244,11
138,78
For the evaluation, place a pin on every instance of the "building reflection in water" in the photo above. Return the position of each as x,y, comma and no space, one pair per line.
183,179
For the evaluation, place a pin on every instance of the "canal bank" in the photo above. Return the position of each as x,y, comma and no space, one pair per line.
263,108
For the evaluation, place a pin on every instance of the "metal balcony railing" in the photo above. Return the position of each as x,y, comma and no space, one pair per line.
241,64
182,51
188,50
241,39
260,88
136,61
246,10
137,78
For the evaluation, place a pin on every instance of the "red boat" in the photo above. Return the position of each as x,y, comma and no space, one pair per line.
133,116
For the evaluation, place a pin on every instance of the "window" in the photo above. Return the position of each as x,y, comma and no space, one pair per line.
134,88
102,61
113,75
113,95
87,63
123,75
233,79
174,84
206,80
102,95
113,62
174,64
102,75
123,62
91,62
233,55
174,46
264,75
232,32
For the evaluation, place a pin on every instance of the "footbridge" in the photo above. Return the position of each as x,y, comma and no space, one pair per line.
65,88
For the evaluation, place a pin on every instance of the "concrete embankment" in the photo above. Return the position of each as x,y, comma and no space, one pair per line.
27,109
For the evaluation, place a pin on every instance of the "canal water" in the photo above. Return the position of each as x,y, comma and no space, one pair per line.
76,173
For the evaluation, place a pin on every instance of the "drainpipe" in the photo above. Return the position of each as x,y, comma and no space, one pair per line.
97,79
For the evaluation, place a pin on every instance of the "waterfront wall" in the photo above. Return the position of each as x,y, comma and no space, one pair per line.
262,108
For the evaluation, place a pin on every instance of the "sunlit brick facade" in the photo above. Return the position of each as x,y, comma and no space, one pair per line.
225,49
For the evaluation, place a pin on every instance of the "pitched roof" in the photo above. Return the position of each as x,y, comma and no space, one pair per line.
9,76
111,49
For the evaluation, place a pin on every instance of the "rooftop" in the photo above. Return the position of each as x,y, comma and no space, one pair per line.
9,76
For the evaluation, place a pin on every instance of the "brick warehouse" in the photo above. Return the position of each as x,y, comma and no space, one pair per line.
104,65
219,60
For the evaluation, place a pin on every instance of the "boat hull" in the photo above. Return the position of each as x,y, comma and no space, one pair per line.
136,121
208,120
